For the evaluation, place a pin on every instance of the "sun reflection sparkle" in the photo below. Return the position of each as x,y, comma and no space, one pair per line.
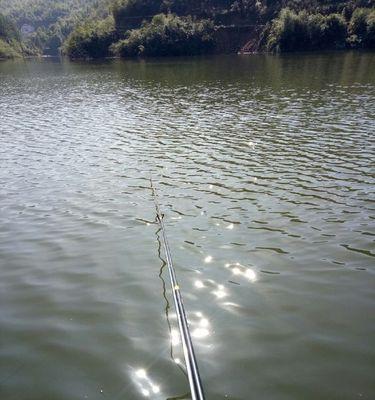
146,386
220,293
200,333
200,326
208,259
199,284
251,144
239,269
141,373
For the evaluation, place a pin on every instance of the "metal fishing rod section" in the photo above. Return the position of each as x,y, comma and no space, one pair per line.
195,383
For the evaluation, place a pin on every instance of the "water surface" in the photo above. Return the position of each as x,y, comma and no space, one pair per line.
265,171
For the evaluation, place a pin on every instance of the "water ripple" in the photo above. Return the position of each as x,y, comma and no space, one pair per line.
264,167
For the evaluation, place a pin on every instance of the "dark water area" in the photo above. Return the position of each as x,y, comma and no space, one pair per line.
265,171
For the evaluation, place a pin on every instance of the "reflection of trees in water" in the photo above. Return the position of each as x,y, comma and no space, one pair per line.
296,71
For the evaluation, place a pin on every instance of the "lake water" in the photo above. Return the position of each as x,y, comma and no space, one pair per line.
265,171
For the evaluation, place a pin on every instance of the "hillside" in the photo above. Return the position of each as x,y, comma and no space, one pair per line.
10,44
182,27
45,24
102,28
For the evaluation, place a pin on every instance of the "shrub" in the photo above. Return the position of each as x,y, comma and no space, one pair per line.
167,35
302,31
370,34
287,32
8,50
10,44
91,40
7,29
335,31
362,28
358,22
135,8
129,14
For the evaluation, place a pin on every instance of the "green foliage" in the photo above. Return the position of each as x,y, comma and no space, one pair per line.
91,40
358,22
8,30
8,50
362,28
290,25
370,36
301,31
44,13
334,31
139,8
10,45
167,35
52,20
129,14
135,8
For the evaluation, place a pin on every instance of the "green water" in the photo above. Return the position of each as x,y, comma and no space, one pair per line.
265,172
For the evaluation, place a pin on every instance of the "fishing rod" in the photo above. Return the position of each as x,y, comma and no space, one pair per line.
187,345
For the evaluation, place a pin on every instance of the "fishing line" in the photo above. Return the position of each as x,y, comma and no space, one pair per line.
187,345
